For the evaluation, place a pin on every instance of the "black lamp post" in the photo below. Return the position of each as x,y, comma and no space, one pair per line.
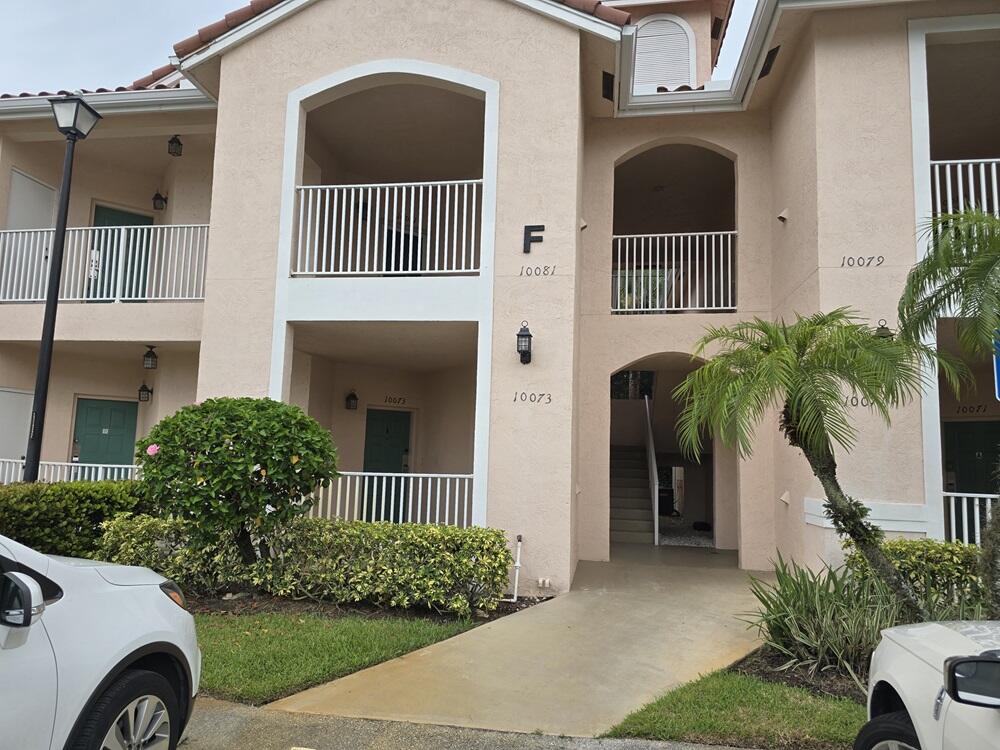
74,119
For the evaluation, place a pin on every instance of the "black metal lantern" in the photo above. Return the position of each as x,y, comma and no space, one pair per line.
351,402
175,147
74,117
149,359
159,201
524,343
145,393
883,331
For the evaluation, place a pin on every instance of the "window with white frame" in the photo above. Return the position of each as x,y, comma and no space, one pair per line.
664,55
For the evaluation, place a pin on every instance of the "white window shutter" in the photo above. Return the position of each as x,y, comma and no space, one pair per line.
663,57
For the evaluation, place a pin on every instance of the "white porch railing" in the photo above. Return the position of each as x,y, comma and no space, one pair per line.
12,470
107,264
655,273
956,185
654,472
388,229
965,515
411,498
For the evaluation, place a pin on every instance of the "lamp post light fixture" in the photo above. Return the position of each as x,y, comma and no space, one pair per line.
351,402
74,119
175,147
150,360
524,343
159,201
883,331
145,393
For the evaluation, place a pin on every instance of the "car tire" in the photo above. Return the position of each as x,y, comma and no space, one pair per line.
137,693
888,732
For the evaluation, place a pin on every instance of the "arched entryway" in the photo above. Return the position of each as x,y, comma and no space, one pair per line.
684,502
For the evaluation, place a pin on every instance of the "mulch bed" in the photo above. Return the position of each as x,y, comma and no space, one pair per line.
766,665
256,604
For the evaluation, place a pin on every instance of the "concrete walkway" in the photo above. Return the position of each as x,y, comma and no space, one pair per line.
630,630
219,725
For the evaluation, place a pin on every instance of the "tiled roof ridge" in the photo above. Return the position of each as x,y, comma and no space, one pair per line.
146,83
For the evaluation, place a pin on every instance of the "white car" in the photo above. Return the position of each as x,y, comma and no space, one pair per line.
92,656
935,686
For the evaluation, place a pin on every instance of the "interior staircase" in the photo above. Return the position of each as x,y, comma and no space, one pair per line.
631,505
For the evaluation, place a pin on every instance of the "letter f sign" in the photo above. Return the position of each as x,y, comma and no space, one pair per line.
532,234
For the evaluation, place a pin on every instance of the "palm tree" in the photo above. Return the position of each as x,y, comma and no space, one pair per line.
959,277
808,371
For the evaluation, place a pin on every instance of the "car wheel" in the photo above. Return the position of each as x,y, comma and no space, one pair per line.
138,712
888,732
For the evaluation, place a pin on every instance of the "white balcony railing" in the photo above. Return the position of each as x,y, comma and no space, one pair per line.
656,273
390,229
966,515
957,185
107,264
12,470
411,498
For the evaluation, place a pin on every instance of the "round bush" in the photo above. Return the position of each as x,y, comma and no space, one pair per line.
236,466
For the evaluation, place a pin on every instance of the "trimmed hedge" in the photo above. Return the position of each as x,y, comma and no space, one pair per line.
394,565
63,518
945,573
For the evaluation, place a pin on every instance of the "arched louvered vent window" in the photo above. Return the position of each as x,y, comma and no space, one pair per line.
664,55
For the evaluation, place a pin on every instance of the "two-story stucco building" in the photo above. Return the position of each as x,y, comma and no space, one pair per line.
358,207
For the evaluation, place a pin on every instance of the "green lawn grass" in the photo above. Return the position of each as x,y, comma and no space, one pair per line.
733,709
259,658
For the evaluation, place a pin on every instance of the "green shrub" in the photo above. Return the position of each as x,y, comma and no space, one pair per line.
946,575
236,467
63,518
395,565
828,619
165,545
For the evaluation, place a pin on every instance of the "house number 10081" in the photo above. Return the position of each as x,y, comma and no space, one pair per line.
532,398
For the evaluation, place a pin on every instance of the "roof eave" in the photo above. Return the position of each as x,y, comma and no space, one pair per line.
112,102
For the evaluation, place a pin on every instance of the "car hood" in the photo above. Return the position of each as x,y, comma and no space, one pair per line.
117,575
933,642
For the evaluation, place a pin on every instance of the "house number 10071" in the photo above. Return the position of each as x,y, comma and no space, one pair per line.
532,398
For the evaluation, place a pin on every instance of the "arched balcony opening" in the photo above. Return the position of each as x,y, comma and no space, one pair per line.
674,244
392,181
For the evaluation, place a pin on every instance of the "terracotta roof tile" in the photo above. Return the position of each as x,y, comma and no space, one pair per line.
208,34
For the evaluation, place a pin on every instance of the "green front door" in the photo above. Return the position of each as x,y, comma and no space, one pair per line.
128,249
387,451
105,431
971,457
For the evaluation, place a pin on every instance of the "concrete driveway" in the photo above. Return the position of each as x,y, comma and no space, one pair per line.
630,630
218,725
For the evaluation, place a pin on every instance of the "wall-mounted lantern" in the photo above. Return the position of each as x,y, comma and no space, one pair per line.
883,331
175,147
145,393
351,402
524,343
159,201
149,359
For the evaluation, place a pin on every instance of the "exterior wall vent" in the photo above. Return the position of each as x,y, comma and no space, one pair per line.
664,55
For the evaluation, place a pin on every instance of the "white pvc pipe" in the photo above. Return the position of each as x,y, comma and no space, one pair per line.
517,571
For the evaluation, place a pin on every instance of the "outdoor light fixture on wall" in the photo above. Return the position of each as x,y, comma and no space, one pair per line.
175,147
149,359
883,331
159,201
145,393
524,343
351,402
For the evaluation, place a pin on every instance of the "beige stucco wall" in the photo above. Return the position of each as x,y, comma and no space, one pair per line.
112,372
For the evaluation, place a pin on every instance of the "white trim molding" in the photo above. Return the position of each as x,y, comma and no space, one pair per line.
930,412
425,299
112,102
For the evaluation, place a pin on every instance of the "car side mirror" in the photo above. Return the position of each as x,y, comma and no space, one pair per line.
21,601
974,680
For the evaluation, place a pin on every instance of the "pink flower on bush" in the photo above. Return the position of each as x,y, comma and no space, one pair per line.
152,449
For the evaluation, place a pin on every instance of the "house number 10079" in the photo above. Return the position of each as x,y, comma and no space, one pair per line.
532,398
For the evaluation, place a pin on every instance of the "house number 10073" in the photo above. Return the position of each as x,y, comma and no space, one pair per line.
532,398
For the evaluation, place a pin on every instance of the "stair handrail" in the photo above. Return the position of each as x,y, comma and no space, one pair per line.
654,474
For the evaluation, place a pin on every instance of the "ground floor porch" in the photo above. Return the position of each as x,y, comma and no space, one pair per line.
547,665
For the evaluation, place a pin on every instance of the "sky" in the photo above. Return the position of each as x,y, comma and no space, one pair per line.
87,44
